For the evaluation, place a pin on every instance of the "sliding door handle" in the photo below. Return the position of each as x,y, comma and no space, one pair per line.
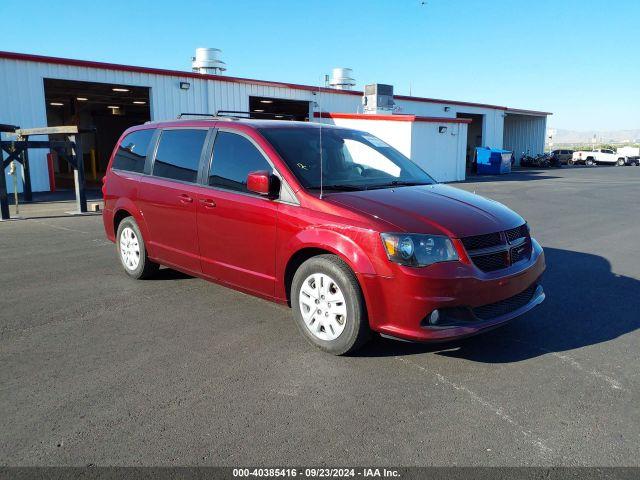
208,203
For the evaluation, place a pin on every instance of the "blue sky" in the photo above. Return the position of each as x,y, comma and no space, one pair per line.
577,58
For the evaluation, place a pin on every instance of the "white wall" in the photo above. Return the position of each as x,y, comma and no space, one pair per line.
492,125
22,102
441,155
22,99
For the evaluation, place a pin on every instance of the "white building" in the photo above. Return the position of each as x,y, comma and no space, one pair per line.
37,91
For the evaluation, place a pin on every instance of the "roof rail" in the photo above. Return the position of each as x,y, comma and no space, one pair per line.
209,115
236,113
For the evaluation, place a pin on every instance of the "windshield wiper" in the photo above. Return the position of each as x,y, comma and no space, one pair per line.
399,183
341,188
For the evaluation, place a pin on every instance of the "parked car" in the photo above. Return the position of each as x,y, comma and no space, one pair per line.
562,157
633,161
599,156
350,233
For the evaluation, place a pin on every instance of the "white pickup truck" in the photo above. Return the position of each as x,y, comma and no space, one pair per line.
601,155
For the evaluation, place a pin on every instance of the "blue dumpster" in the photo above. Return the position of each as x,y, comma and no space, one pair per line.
492,161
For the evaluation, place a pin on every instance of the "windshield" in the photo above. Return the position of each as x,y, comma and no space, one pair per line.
351,160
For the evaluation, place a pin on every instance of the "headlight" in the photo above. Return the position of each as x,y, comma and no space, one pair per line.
417,250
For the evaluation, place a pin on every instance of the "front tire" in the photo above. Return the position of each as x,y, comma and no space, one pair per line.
328,305
589,162
132,252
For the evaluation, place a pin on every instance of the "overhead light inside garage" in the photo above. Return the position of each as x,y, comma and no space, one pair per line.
118,89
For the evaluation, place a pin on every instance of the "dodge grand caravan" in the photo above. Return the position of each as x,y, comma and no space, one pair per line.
350,233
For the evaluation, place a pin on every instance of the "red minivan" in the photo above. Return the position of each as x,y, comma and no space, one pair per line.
334,222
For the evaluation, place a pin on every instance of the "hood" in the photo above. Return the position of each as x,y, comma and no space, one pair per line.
435,209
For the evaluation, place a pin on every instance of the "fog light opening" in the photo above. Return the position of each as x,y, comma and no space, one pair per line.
434,317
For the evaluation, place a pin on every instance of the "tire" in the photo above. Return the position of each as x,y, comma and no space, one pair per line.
328,305
570,162
620,162
132,252
589,162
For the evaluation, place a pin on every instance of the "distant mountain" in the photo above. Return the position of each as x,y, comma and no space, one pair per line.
613,136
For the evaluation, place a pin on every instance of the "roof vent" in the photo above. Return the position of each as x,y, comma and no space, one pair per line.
341,79
207,60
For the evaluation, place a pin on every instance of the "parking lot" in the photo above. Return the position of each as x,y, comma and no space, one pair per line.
100,369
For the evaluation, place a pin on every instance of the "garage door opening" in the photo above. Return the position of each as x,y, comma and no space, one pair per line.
524,134
279,109
108,109
474,135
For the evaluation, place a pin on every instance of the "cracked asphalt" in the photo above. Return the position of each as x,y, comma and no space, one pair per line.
100,369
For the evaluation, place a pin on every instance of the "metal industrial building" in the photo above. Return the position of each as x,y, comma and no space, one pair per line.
37,91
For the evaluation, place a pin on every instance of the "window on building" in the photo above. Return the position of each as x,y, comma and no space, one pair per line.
179,153
132,151
234,157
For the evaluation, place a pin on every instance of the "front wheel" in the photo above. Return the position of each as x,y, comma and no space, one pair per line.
132,251
589,162
570,161
328,305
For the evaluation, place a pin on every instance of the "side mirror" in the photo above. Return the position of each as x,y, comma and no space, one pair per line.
263,183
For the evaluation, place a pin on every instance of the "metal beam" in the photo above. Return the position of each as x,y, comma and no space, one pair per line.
67,129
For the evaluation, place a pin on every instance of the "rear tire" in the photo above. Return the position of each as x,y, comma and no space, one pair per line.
570,162
620,162
328,305
132,251
589,162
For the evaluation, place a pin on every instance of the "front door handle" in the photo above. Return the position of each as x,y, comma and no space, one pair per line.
208,203
184,198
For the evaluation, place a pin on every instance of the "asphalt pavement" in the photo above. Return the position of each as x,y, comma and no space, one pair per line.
103,370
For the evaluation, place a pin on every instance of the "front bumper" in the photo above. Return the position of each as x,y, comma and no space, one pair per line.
400,306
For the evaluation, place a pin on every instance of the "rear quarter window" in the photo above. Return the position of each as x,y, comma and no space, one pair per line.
132,151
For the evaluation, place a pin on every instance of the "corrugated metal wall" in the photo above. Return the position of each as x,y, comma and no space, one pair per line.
22,102
22,99
524,133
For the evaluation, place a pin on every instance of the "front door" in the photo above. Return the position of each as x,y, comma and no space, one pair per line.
236,228
167,197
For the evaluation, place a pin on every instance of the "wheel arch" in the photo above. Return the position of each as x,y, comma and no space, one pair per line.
126,208
333,243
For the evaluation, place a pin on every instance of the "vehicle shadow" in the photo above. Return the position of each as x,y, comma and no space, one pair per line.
514,176
166,273
586,304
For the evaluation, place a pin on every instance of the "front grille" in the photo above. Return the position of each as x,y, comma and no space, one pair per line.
515,233
492,261
508,305
522,252
491,252
482,241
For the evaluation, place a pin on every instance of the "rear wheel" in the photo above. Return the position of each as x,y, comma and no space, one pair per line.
620,162
328,305
570,161
132,251
589,162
